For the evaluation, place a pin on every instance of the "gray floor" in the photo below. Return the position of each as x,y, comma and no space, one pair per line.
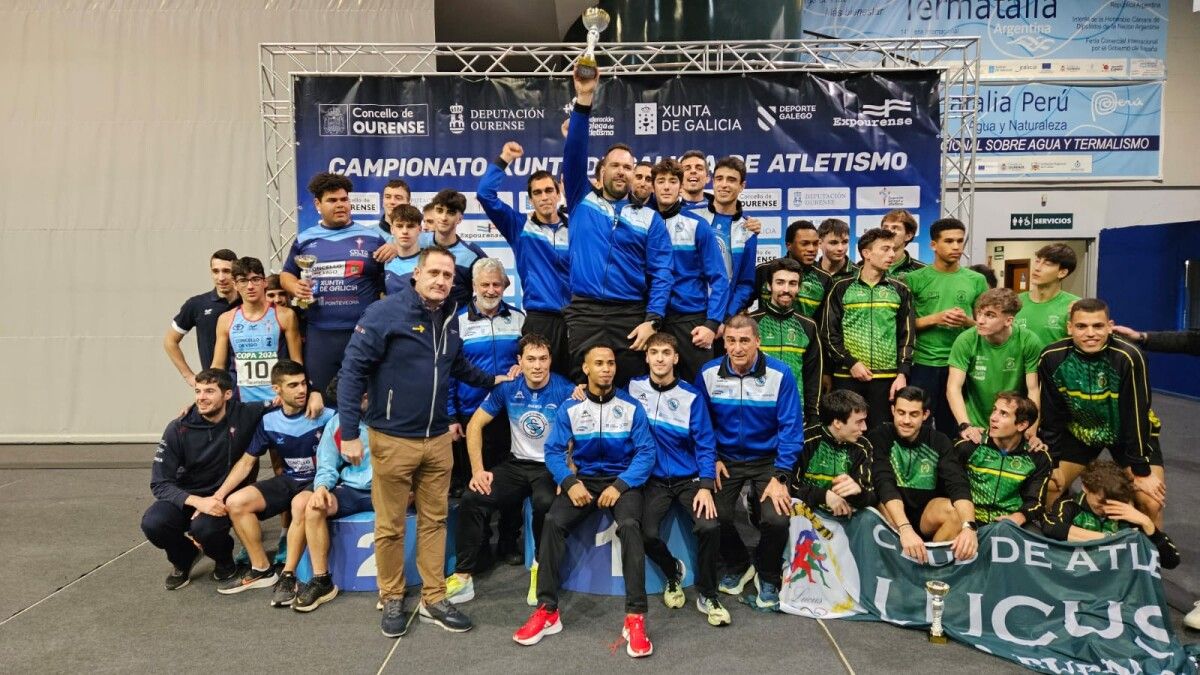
83,591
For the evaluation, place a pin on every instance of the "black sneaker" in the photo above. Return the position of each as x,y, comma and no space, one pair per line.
317,592
224,572
445,615
178,578
395,621
510,555
251,578
285,590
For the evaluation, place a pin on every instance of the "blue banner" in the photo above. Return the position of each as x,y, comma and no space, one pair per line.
1019,39
1056,132
845,146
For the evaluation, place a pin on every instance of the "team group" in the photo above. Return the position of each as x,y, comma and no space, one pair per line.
652,363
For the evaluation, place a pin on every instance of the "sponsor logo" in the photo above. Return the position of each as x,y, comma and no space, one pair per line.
208,311
818,198
534,424
618,413
651,119
673,404
887,108
766,118
1107,102
364,203
761,199
457,126
361,119
1034,44
886,114
645,119
419,328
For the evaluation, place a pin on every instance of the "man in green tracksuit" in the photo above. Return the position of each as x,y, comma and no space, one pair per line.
791,337
1008,478
867,327
834,469
802,247
1096,395
904,225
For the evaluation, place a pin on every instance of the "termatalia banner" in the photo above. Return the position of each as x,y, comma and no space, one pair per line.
850,146
1051,606
1019,39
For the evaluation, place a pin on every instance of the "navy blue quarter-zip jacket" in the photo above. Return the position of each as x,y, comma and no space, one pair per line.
402,354
194,455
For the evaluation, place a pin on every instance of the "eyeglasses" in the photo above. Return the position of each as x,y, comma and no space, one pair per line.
246,281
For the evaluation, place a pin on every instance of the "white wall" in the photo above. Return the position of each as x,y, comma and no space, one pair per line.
132,150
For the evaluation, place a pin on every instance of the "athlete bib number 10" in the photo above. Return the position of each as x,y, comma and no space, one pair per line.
254,371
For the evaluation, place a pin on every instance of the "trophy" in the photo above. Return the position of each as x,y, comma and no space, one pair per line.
595,20
305,262
937,591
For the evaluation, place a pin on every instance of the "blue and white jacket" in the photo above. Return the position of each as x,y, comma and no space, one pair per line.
701,282
333,469
758,413
402,355
620,251
491,344
682,429
608,436
541,250
739,248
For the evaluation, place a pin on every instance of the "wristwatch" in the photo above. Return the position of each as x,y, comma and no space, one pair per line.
970,525
963,427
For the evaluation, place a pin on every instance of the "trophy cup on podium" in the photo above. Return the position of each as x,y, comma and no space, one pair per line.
937,591
595,20
305,262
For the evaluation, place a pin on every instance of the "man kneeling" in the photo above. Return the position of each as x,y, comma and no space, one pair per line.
341,488
834,470
1008,478
922,486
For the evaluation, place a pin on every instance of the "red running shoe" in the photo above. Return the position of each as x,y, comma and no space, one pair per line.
637,644
543,622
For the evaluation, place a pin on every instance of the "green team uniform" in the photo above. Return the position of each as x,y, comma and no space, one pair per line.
814,284
917,471
823,459
1074,511
991,369
1095,401
792,338
1005,482
872,324
905,266
1047,320
848,270
934,291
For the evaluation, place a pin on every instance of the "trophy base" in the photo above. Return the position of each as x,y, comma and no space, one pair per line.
938,639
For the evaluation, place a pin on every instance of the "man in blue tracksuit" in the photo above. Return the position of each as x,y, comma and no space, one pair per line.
611,454
759,430
620,251
539,245
737,234
684,471
697,305
403,353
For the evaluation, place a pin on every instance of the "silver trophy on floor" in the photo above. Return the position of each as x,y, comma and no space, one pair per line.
937,591
305,262
595,20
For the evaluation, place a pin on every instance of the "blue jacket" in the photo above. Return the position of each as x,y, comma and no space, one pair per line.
402,356
540,250
739,248
682,429
759,412
611,438
490,344
701,282
620,251
332,469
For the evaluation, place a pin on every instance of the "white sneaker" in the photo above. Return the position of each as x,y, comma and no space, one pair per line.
1192,619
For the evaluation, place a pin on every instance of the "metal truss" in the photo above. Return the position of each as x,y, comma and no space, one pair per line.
956,57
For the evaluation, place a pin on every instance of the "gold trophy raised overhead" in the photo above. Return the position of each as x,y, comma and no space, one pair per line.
937,591
305,262
595,20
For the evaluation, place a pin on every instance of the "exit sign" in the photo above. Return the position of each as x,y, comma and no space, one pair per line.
1041,221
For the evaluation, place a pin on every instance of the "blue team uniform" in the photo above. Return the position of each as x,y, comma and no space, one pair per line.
541,251
701,279
681,426
491,344
760,411
465,255
611,438
532,413
739,248
346,279
255,347
398,273
295,438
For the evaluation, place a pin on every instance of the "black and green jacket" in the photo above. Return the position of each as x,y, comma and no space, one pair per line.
848,270
872,324
916,471
822,459
1098,401
1074,511
814,285
792,338
1005,482
901,268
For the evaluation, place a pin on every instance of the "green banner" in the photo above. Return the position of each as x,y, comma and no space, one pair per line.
1051,606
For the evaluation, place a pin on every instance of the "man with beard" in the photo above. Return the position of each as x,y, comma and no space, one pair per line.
791,337
803,244
642,183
